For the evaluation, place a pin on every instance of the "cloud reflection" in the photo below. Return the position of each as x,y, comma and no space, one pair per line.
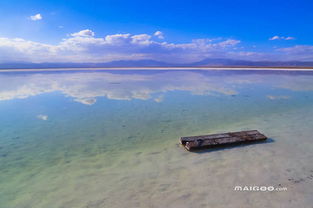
85,87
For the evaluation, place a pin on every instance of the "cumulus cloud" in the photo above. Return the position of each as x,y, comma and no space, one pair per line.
83,33
17,49
142,39
83,46
276,37
159,34
36,17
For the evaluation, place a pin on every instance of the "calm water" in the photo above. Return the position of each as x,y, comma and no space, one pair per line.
110,139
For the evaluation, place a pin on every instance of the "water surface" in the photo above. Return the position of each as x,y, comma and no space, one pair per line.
110,138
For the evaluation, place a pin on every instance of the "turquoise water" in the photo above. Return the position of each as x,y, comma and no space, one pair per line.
110,138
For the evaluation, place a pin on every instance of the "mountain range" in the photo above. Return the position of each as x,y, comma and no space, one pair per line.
152,63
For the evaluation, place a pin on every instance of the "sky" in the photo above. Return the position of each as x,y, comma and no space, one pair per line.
169,31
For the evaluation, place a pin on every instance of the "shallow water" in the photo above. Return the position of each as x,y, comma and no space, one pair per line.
110,139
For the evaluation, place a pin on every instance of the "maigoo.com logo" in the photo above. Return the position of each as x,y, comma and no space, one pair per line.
259,188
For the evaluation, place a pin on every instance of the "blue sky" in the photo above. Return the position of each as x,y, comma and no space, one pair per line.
192,30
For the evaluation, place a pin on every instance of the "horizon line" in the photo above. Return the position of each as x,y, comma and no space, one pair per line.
218,68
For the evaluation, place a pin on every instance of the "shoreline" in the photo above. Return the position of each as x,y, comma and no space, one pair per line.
308,69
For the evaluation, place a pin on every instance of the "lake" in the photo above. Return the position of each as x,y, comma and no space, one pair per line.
91,139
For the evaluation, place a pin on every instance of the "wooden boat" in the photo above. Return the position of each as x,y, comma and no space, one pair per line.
207,141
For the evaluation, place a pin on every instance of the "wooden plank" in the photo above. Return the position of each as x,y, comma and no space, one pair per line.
212,140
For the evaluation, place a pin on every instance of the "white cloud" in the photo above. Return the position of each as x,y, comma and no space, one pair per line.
290,38
117,39
276,37
17,49
159,34
298,52
142,39
83,33
36,17
83,46
229,42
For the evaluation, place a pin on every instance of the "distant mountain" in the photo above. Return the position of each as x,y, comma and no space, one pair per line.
152,63
244,63
121,63
137,63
